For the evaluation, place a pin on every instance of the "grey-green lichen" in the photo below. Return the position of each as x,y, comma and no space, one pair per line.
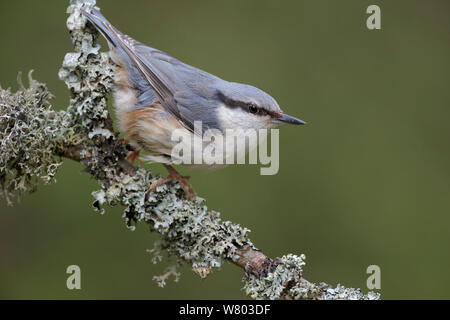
29,131
88,74
188,230
289,268
170,271
286,281
32,134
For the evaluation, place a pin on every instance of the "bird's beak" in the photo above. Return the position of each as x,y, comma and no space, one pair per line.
284,118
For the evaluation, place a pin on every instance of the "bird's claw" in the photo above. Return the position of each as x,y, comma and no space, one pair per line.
173,176
133,156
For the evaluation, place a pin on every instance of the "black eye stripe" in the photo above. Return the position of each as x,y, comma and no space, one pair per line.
240,104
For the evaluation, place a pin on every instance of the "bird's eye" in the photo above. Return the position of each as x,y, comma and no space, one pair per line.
252,108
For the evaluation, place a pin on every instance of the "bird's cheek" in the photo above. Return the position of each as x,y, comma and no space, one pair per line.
226,118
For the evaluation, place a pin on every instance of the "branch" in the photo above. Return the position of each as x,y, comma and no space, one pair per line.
34,137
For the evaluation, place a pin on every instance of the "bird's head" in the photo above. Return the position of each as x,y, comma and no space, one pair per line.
246,107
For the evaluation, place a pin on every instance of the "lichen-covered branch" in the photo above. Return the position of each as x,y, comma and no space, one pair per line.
34,137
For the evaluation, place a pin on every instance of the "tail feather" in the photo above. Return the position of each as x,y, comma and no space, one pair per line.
117,40
102,25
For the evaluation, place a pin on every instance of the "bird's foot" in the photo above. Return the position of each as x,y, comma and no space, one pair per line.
173,176
133,156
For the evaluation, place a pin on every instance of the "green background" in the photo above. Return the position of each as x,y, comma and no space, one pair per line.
367,181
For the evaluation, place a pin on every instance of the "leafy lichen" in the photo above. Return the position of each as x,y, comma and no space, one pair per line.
188,230
87,73
289,268
286,281
28,138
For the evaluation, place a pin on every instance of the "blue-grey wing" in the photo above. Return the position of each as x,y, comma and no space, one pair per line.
192,89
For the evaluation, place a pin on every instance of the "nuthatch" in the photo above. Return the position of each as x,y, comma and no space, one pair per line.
157,94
